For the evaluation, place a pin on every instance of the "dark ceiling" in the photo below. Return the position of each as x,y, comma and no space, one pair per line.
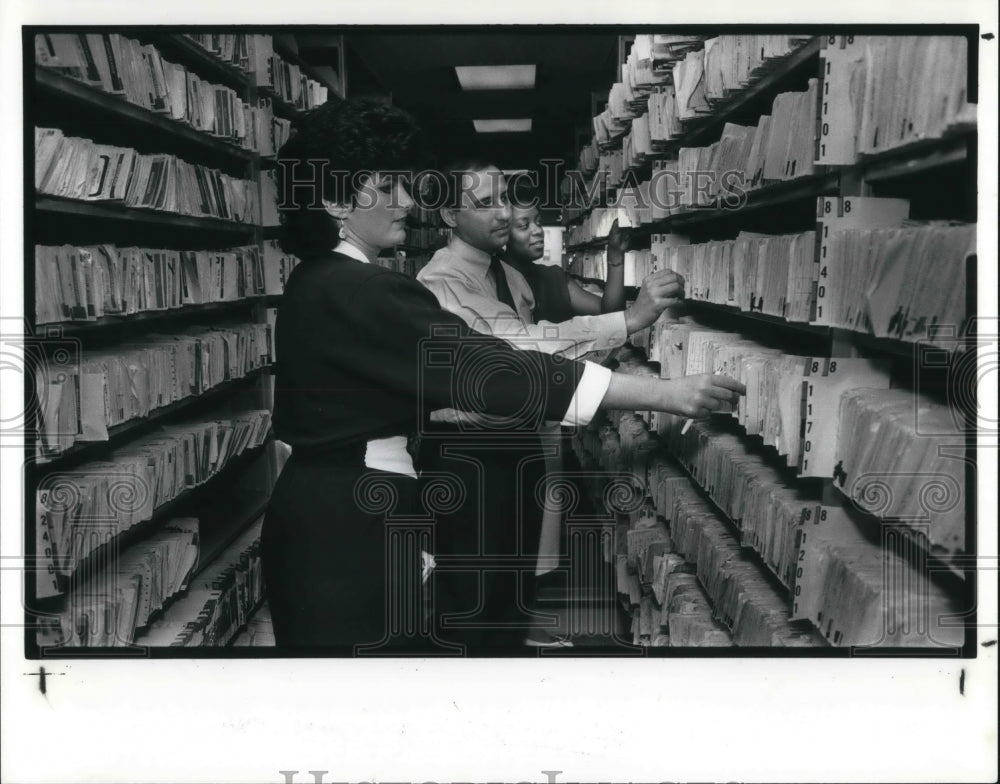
417,70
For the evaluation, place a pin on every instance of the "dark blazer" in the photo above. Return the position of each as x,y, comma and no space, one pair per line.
363,353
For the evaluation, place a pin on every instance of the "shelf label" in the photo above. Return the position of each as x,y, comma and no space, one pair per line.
833,214
835,144
825,381
812,600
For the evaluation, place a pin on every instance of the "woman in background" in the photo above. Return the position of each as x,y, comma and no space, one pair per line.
558,298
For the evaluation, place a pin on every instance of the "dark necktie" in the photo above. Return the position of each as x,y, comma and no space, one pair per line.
500,280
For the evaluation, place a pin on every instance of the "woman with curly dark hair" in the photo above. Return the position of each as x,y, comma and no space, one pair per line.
363,353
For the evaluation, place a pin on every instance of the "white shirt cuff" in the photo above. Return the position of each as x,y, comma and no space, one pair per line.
589,393
619,328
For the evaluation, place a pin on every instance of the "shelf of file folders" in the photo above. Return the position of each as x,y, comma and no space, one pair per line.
749,164
698,75
90,287
163,594
135,82
102,179
120,65
218,602
865,268
876,99
681,574
859,581
87,511
89,396
679,105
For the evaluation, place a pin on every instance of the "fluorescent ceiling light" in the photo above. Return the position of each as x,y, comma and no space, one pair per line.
496,77
502,126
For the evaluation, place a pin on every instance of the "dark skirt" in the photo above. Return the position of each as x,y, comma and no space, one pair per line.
336,576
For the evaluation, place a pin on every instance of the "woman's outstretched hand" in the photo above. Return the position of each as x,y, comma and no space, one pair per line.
700,395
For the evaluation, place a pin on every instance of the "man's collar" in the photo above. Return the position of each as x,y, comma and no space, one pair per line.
474,256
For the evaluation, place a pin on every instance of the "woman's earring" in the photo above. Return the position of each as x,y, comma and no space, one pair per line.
341,233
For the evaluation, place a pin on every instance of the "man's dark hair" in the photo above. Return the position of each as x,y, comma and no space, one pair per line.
332,146
444,188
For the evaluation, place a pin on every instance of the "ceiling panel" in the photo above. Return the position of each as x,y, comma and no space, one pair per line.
417,69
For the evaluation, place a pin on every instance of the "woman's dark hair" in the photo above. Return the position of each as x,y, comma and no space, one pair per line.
332,147
522,192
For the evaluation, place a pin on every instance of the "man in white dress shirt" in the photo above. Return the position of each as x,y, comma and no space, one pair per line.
469,279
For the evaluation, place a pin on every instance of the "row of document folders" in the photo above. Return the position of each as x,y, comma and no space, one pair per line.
120,65
854,588
218,602
139,74
879,93
87,507
832,418
780,147
254,54
886,92
93,391
108,605
683,595
152,597
77,168
86,283
708,70
866,268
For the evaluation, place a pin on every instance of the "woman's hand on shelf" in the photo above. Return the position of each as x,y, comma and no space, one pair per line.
659,291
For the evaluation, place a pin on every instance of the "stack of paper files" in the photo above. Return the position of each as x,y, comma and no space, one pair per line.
294,87
755,272
667,48
140,75
616,118
597,224
638,75
107,607
664,120
780,147
637,202
85,283
228,47
743,599
278,265
733,62
259,632
636,443
138,377
637,145
611,167
908,88
772,407
861,591
753,494
894,460
76,168
269,133
688,614
218,602
83,508
689,87
655,586
899,282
